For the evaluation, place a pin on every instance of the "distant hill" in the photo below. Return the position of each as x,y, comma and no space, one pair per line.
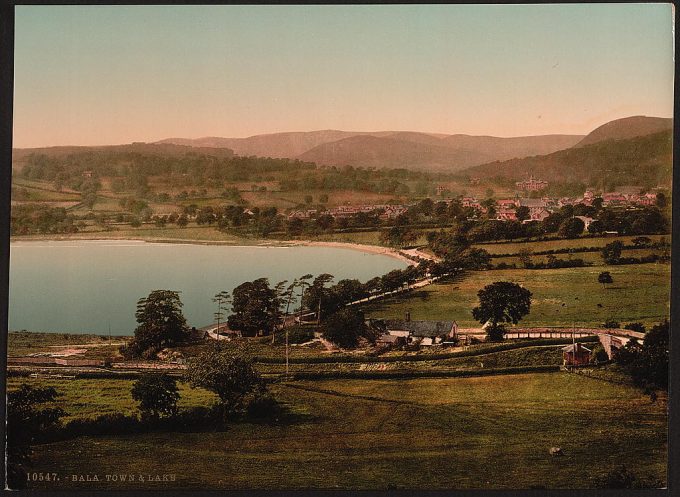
628,127
510,148
167,150
372,151
408,149
643,160
281,145
427,152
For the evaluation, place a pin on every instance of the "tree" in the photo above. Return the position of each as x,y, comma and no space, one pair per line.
232,377
501,302
26,421
605,278
611,324
639,327
641,241
398,236
661,201
611,253
524,256
182,221
596,227
157,395
345,327
255,308
571,228
648,364
161,324
522,213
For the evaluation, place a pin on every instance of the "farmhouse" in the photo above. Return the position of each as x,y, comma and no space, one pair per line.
575,355
424,332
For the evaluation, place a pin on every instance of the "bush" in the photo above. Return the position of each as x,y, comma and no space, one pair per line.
157,395
296,335
263,407
639,327
599,354
611,324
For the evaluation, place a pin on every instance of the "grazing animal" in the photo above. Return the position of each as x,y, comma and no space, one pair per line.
556,451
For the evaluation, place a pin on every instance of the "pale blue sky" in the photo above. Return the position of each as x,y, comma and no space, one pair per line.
87,75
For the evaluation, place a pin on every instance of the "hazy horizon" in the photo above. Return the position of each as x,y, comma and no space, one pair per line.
105,75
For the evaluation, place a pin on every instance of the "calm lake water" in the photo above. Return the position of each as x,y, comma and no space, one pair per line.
87,286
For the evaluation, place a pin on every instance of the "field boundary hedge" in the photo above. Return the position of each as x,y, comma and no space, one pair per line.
425,357
459,373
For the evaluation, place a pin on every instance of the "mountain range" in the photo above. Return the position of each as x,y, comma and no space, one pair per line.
414,150
637,146
417,150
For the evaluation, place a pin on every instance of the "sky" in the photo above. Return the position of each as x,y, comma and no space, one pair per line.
95,75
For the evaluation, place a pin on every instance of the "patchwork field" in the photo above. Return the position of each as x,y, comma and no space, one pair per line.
561,297
458,433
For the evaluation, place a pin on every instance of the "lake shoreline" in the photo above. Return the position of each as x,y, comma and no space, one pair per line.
370,249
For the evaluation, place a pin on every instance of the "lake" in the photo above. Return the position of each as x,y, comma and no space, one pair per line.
89,286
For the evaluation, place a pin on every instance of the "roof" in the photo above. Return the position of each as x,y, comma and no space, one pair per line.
420,328
532,202
570,348
387,338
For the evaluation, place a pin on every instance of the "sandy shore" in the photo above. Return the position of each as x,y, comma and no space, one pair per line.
371,249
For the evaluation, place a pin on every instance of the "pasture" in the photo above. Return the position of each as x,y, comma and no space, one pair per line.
454,433
561,297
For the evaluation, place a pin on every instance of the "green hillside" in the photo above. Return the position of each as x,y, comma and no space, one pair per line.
644,160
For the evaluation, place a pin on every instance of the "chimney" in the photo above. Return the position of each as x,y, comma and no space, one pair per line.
408,316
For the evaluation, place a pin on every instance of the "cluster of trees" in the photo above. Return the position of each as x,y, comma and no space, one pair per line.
647,363
30,412
385,181
133,168
257,308
611,254
33,414
27,219
562,223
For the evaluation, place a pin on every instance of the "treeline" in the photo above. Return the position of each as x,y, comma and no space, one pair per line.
134,168
643,221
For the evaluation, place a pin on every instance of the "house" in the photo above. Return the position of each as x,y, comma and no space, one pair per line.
390,340
575,355
532,184
506,214
538,214
426,332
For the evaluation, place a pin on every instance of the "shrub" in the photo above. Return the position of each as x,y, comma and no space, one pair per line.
639,327
263,407
157,395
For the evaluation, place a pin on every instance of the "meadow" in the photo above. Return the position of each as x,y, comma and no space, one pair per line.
561,297
455,433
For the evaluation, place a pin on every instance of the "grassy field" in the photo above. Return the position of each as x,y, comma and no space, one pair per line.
593,258
89,398
561,297
515,247
456,433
